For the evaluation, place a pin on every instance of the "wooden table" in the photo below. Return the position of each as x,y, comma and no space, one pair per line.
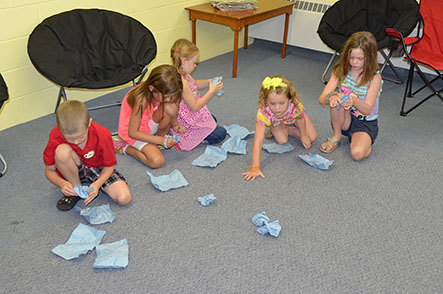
238,20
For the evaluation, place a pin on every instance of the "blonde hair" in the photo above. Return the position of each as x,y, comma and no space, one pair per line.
286,88
368,44
72,117
165,79
182,48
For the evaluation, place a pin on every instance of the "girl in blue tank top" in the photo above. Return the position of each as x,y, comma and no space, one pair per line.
352,94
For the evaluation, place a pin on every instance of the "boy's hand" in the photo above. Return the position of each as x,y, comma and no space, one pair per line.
68,189
93,190
251,175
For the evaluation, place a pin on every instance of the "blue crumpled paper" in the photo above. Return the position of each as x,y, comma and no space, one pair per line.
278,148
112,255
206,200
98,214
83,191
83,239
261,220
235,145
237,130
174,137
167,182
316,160
211,157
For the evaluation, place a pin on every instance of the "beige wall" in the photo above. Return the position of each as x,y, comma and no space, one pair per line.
33,96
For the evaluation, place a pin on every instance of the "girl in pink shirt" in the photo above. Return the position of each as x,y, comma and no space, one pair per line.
147,113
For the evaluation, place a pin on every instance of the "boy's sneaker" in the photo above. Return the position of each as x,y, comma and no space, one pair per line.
119,145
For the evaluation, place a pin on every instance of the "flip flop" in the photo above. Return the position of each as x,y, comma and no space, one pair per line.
330,141
268,134
67,202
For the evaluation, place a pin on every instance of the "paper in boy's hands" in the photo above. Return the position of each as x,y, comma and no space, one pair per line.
83,191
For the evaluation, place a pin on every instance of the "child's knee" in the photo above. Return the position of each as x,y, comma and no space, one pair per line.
157,162
358,153
281,140
63,153
124,198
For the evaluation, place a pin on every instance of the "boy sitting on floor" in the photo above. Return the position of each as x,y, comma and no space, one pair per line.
80,151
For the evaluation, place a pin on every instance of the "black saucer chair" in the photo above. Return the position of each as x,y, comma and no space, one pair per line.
424,51
4,95
346,17
91,49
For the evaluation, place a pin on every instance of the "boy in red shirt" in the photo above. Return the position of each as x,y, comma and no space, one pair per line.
80,151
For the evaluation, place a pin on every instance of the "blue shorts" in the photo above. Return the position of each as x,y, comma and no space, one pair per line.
367,126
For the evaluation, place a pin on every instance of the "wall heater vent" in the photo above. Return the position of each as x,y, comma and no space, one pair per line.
303,26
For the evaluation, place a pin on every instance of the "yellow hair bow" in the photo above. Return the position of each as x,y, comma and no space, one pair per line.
273,82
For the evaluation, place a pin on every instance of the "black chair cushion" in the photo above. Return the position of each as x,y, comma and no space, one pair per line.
91,48
346,17
4,95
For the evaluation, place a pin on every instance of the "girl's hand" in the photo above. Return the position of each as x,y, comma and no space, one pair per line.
350,102
68,189
334,101
169,142
215,87
305,141
178,128
251,175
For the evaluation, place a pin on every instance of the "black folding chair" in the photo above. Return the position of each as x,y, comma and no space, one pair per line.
91,49
424,51
4,95
346,17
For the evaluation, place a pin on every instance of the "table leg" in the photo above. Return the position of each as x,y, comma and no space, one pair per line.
246,38
193,31
285,36
234,65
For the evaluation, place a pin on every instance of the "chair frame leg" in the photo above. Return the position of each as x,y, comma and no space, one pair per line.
5,165
391,65
427,83
323,77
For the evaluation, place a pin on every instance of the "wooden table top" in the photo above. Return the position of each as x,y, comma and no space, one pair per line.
264,6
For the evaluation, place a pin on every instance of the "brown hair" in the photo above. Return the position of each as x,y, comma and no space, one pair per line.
288,90
72,117
165,79
182,48
367,43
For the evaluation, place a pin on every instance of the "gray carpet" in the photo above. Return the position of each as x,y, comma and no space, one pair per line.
374,226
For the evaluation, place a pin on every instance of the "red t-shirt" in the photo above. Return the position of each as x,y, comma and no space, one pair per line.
98,152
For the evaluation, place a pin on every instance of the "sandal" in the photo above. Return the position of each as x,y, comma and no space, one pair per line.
268,134
330,141
67,202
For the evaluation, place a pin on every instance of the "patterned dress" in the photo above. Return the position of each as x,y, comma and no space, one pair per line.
199,124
